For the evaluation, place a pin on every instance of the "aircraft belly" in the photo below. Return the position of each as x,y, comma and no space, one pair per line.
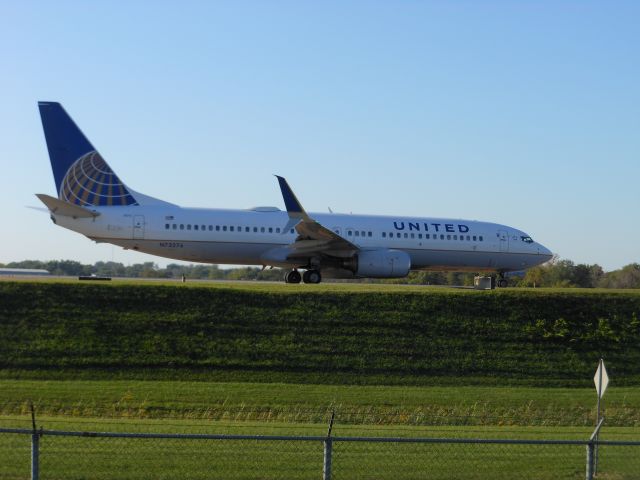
204,252
471,260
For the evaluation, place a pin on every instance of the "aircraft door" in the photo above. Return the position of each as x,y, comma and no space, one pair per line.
138,227
503,237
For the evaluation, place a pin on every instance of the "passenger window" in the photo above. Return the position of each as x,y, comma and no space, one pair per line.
349,232
413,235
189,226
224,228
278,230
448,237
371,234
182,226
441,236
270,229
211,228
195,227
166,226
455,237
475,238
468,238
174,226
255,229
427,236
384,234
357,233
217,228
261,229
406,235
231,229
480,238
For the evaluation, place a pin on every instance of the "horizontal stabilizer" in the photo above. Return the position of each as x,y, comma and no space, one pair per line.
60,207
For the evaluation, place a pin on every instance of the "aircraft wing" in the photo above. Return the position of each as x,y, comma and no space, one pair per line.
314,239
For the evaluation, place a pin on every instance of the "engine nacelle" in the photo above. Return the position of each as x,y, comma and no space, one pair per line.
382,263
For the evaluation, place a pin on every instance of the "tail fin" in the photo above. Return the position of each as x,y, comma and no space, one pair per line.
82,176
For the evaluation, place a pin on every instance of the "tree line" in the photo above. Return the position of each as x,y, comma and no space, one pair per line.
555,273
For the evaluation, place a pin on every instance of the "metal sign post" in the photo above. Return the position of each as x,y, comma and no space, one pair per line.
601,379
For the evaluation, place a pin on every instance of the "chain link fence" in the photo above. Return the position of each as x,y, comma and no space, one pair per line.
57,454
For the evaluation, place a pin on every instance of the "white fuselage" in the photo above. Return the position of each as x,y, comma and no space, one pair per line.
243,237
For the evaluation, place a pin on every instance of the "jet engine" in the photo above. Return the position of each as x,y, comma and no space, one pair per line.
383,263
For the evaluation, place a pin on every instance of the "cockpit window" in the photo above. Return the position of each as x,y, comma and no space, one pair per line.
527,239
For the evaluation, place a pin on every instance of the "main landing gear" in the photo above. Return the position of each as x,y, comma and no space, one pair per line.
501,282
292,276
310,276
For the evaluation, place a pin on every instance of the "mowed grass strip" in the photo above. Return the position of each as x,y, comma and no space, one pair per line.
313,404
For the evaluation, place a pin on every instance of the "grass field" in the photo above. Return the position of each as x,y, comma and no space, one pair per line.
265,409
100,458
271,359
312,404
316,334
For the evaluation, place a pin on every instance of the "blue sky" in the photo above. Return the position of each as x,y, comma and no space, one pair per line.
523,113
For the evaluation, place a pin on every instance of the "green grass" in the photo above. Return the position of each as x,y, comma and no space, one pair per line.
382,335
278,359
99,458
326,286
313,404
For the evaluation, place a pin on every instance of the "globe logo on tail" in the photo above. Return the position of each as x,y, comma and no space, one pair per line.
90,181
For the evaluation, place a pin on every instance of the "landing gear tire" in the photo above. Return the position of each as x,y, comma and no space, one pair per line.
502,282
292,277
312,276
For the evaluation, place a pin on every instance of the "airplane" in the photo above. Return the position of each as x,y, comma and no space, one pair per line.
92,200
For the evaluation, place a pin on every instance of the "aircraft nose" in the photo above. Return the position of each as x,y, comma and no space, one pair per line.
545,252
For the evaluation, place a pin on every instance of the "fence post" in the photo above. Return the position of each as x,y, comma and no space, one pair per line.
328,447
590,451
35,455
35,447
326,469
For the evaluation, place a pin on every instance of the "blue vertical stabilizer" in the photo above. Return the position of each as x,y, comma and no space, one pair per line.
82,176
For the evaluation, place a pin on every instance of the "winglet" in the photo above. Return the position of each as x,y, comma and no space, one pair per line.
291,202
294,207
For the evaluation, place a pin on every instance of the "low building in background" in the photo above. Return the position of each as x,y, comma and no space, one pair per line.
10,272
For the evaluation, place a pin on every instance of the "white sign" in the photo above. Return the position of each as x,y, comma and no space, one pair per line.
601,379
